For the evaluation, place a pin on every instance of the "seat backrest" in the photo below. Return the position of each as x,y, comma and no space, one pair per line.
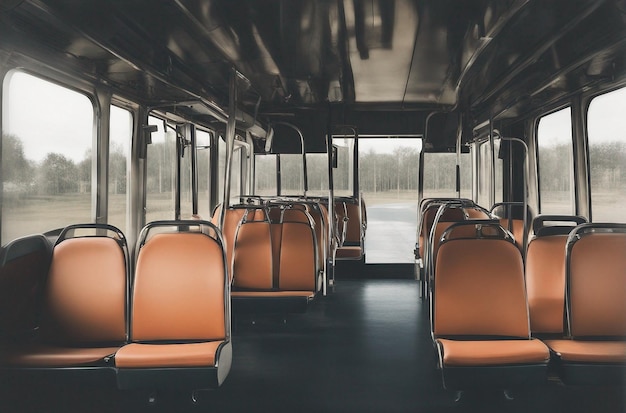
180,289
24,265
321,232
596,280
545,281
449,216
516,227
479,289
298,253
333,242
476,213
354,224
253,256
545,272
232,217
341,224
511,215
86,292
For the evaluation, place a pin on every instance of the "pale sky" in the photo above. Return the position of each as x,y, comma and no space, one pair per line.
50,118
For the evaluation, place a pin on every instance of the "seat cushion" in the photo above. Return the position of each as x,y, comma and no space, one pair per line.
349,252
589,351
493,352
36,355
136,355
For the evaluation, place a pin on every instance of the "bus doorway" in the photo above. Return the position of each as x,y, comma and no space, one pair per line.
388,177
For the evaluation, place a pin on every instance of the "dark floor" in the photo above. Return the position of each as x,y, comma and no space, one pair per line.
364,348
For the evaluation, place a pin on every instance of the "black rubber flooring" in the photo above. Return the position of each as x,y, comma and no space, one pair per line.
364,348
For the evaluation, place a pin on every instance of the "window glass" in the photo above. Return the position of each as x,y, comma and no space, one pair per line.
607,156
46,156
265,175
203,153
440,175
499,165
235,174
556,164
186,201
484,174
161,169
291,174
317,174
120,136
343,173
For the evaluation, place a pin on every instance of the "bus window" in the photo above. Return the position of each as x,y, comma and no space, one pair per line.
291,174
235,174
120,136
203,154
317,174
161,170
265,175
488,160
343,182
46,156
607,156
440,175
186,201
555,163
485,157
499,171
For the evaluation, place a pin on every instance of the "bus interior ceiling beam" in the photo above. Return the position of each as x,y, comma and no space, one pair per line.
533,55
161,64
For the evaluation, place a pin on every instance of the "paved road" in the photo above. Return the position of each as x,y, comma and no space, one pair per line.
390,236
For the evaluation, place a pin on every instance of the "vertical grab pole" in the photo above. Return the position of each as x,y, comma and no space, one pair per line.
459,135
193,153
230,143
525,175
492,192
330,264
356,185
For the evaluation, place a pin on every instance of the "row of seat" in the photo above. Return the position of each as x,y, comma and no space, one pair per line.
576,280
351,225
163,322
435,216
276,252
498,322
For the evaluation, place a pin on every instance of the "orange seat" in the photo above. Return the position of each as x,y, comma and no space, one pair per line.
480,313
83,318
24,264
545,273
511,215
595,350
275,264
180,314
431,230
352,247
232,218
428,211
